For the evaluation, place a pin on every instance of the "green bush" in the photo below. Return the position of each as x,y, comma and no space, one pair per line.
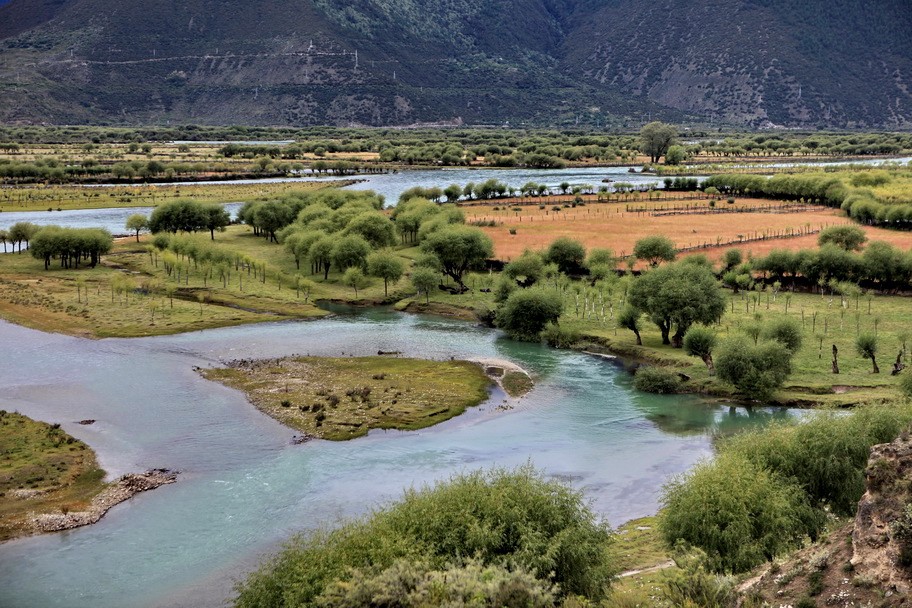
515,519
739,513
526,312
769,488
785,331
558,336
656,380
691,584
905,384
414,585
826,455
756,370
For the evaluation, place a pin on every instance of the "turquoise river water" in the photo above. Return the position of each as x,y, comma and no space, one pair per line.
245,487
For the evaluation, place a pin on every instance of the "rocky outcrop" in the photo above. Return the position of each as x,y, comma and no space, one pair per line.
881,548
123,489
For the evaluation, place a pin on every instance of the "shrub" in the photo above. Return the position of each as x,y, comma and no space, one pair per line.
526,312
739,513
693,585
786,331
657,380
414,585
905,385
514,519
756,370
826,455
558,336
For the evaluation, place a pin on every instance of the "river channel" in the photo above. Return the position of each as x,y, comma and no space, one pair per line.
245,487
390,185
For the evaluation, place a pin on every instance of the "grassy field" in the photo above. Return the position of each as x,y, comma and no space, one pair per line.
108,300
42,470
343,398
643,560
132,295
60,198
825,320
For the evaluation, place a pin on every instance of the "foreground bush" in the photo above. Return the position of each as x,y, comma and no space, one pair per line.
740,514
826,455
512,519
769,488
410,585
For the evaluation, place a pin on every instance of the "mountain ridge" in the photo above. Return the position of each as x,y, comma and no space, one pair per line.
385,62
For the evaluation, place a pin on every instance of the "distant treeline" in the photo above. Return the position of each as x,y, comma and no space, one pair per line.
854,194
456,146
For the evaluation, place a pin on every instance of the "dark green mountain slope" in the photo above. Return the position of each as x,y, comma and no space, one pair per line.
792,62
394,62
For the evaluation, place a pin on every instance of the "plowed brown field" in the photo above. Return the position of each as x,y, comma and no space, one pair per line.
610,225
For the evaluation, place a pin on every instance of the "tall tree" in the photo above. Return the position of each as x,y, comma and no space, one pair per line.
137,222
656,138
216,218
458,248
387,266
676,296
654,249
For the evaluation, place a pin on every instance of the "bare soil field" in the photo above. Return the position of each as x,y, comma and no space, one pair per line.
612,226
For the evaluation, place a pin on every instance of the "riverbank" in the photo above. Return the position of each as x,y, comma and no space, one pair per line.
72,197
50,481
123,489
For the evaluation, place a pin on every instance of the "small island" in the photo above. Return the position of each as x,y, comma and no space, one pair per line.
344,398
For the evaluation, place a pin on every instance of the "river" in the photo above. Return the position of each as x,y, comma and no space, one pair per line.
390,185
245,487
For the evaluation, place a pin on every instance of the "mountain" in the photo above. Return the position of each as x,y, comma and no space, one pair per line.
835,63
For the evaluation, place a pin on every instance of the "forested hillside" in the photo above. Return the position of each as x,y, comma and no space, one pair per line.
379,62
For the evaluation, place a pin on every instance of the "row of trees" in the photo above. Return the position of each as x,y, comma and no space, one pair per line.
184,215
70,245
848,191
18,233
834,264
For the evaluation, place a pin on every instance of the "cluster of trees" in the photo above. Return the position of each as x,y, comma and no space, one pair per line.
346,230
70,245
802,144
768,490
18,233
184,215
497,538
60,171
843,259
181,254
849,190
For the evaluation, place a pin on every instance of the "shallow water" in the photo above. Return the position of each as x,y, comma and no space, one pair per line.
245,487
390,185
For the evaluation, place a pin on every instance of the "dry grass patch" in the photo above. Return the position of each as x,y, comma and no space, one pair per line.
610,225
343,398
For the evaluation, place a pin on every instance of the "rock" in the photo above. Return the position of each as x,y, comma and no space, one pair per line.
86,422
299,439
123,489
875,550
